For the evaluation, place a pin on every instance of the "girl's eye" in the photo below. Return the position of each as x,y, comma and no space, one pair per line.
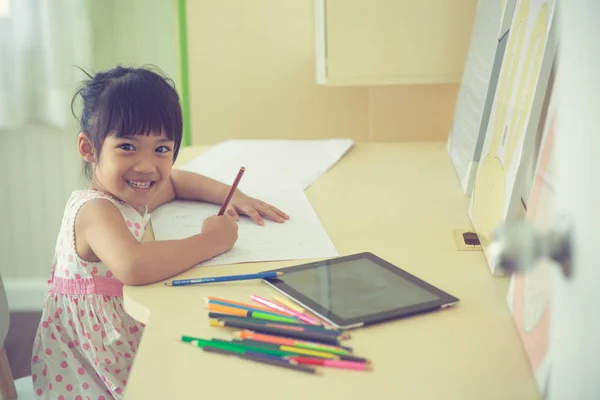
163,149
127,147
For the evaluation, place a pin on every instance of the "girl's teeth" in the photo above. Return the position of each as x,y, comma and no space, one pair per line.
140,185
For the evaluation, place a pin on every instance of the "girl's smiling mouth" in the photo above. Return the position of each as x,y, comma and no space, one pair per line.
140,185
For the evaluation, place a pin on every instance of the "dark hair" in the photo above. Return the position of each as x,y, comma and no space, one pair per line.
129,101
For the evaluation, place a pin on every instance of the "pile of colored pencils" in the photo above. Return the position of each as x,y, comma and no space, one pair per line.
279,333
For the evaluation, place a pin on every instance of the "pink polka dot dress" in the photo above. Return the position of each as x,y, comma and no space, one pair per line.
85,342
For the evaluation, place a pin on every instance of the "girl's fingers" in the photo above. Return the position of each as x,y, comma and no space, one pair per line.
273,212
252,213
257,209
280,213
231,211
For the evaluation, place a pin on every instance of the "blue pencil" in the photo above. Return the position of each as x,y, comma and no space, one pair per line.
198,281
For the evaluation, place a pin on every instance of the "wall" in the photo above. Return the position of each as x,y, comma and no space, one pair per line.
136,32
252,75
39,167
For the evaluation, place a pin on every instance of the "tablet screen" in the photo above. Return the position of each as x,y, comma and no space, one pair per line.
356,288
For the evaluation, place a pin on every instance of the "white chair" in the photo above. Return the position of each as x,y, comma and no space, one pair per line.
10,389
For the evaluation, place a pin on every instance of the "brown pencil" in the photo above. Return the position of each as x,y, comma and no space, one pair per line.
232,191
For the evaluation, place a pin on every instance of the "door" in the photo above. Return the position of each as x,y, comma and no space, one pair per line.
575,322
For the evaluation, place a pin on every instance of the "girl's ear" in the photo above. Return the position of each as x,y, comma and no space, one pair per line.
85,147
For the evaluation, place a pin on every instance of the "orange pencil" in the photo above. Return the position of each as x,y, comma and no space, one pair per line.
219,308
237,303
232,191
238,312
226,310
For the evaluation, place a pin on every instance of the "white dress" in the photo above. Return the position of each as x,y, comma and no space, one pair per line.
86,342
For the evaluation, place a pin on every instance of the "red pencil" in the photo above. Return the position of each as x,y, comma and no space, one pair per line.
232,191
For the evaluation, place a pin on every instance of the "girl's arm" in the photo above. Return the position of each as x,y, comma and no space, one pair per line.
187,185
101,234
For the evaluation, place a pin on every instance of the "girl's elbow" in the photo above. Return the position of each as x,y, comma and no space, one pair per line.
128,272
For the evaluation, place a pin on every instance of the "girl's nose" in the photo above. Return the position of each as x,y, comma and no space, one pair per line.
144,167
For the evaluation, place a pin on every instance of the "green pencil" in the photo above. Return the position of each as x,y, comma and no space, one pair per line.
227,345
255,348
300,345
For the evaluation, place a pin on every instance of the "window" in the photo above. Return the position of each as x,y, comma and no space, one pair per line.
4,8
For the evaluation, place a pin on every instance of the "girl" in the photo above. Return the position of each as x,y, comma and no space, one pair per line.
131,129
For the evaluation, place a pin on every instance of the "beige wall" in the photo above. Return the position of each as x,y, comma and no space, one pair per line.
136,32
252,75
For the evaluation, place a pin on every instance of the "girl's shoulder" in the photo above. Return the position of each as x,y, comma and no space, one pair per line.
80,197
136,222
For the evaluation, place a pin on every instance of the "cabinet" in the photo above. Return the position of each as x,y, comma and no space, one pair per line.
386,42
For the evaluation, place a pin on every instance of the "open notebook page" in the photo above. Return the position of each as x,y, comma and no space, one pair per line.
300,237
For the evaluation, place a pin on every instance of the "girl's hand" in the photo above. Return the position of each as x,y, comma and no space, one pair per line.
254,208
223,229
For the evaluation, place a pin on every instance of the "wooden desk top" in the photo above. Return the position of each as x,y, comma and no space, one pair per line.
401,202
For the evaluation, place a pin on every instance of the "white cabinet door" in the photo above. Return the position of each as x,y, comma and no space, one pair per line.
575,326
390,42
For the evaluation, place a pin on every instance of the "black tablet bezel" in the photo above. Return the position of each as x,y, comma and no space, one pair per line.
444,299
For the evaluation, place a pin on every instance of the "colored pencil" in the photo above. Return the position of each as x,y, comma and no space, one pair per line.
244,306
228,278
237,312
288,303
289,349
232,191
293,342
307,335
305,352
257,357
299,327
288,364
273,351
332,363
275,324
283,309
235,346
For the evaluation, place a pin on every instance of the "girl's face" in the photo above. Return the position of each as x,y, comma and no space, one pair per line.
134,168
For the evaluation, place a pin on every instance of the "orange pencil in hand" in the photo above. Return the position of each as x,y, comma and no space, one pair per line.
232,191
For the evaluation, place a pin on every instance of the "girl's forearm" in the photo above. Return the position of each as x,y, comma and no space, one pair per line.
154,261
192,186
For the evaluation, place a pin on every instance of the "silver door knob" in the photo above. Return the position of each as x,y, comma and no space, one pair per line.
516,246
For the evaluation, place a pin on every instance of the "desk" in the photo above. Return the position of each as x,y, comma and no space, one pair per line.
401,202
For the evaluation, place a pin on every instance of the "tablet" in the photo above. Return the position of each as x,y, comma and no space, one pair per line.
357,290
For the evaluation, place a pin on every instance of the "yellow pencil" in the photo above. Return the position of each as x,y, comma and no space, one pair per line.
314,353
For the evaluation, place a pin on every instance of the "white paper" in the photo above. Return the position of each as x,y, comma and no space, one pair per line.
270,164
300,237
